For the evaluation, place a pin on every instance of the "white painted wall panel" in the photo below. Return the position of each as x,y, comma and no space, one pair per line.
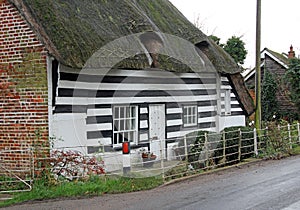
99,112
71,128
230,121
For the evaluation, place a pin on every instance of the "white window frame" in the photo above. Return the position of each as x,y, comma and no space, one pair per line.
190,115
227,101
126,123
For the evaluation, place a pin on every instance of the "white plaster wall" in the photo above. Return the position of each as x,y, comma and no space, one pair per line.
69,130
230,121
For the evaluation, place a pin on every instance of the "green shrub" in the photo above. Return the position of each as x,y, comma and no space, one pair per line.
233,136
203,155
197,149
275,139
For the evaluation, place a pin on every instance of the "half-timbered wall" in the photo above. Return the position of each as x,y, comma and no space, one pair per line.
92,95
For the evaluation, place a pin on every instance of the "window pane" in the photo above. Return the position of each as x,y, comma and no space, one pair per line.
184,111
122,112
127,125
127,110
125,136
193,119
122,125
116,138
133,111
120,138
116,112
116,125
128,137
132,134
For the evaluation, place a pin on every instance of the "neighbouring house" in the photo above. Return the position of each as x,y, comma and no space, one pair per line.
277,64
97,73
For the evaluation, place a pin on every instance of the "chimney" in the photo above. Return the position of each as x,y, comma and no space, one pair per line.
291,52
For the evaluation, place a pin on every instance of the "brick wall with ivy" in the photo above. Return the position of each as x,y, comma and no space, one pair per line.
285,105
23,87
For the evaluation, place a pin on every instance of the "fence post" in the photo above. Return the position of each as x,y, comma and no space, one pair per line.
298,128
206,151
290,136
185,148
162,159
255,142
240,144
224,146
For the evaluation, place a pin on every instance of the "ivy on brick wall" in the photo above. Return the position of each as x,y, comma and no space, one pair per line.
292,76
28,74
268,98
31,72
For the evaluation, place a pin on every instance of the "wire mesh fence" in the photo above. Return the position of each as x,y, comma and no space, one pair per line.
196,152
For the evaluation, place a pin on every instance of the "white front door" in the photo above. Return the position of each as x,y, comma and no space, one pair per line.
157,127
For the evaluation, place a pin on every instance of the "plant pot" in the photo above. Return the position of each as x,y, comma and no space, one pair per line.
149,161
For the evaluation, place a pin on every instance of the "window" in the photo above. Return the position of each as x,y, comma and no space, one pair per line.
190,115
125,124
227,102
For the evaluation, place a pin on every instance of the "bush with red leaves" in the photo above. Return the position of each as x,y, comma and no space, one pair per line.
73,164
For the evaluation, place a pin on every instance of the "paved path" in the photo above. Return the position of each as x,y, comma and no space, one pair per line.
263,185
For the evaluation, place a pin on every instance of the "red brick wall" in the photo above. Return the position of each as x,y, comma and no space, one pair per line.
23,86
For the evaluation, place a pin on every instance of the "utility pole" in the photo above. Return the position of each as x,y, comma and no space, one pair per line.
257,68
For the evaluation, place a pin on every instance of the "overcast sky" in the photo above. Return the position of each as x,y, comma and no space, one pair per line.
225,18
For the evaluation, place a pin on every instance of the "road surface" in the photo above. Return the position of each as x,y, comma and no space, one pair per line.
263,185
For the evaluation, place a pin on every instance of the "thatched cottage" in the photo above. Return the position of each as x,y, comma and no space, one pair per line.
97,73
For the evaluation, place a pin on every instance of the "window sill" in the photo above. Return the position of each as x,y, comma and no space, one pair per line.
190,126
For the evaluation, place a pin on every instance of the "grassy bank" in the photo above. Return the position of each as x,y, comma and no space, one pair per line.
94,186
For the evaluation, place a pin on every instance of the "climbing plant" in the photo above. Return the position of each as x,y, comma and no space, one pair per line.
292,77
268,98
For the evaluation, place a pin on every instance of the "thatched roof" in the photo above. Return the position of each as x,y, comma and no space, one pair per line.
73,30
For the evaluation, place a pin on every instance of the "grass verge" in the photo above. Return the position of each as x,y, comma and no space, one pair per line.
94,186
296,150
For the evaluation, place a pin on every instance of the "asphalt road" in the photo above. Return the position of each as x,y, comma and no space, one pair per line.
263,185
